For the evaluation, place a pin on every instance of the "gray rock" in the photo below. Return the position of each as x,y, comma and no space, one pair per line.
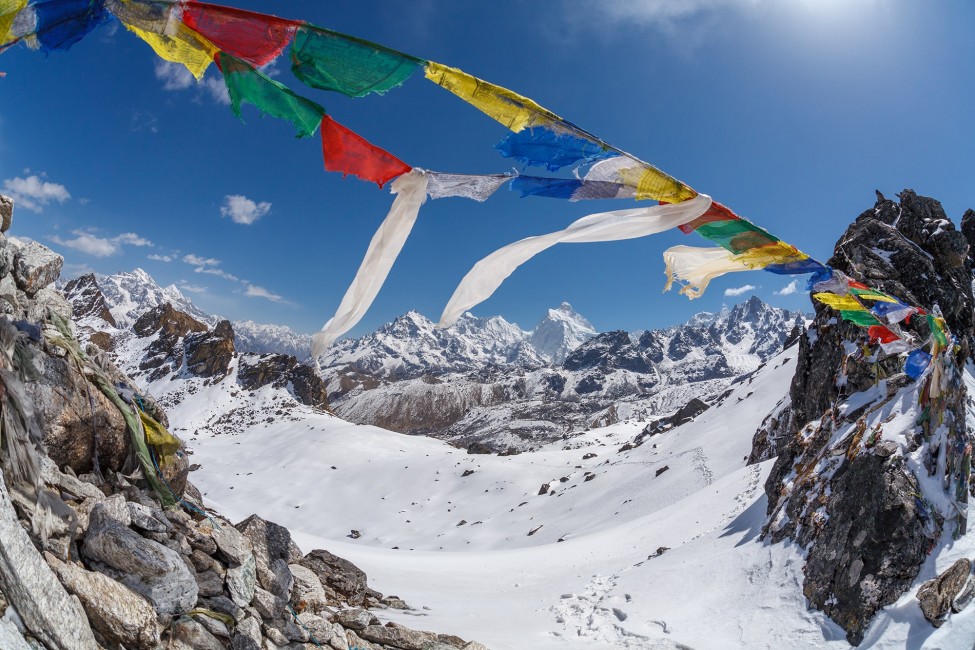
119,614
344,578
397,636
147,518
319,629
224,605
307,593
242,581
11,638
188,634
354,619
30,586
35,267
268,605
6,212
358,643
213,625
282,580
965,596
249,627
231,544
209,584
270,542
275,635
936,595
244,642
147,567
115,508
48,300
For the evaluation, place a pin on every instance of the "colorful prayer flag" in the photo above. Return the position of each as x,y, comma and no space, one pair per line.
549,148
185,47
252,37
347,152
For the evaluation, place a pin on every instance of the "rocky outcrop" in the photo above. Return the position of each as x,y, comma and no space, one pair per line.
947,592
284,371
841,486
6,212
87,300
36,267
208,354
165,354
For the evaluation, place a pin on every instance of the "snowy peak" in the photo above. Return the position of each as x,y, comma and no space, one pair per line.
560,332
131,294
262,338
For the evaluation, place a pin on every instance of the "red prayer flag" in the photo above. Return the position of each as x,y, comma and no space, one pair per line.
252,37
716,212
881,334
348,152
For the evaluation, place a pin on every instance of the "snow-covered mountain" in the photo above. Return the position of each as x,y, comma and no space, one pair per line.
131,294
485,381
262,338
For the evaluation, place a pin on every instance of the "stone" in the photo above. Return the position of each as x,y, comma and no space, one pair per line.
119,614
6,212
208,354
275,635
47,300
250,628
280,580
35,267
231,544
201,561
147,518
936,595
355,618
307,594
345,578
272,545
224,605
145,566
358,643
214,626
474,645
285,371
268,605
244,642
188,634
115,508
242,581
398,636
30,586
965,596
319,629
209,584
394,602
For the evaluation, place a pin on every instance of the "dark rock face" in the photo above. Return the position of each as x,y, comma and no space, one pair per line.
280,370
338,575
165,354
612,350
872,548
86,299
937,596
208,354
852,504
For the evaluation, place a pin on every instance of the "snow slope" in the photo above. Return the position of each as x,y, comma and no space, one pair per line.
603,586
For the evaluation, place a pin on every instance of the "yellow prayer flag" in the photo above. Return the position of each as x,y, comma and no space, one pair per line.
8,12
651,183
872,294
157,436
507,107
839,303
776,253
186,47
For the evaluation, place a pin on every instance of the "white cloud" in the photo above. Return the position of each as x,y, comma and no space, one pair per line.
132,239
196,260
216,89
255,291
92,244
174,76
664,12
737,291
192,288
72,271
788,289
161,258
32,193
220,273
243,210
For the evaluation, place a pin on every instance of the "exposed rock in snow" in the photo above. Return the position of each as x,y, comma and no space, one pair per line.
130,295
87,299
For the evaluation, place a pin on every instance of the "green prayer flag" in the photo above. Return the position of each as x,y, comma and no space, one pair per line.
862,318
736,236
245,84
329,60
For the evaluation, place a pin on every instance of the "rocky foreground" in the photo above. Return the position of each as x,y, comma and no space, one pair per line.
104,543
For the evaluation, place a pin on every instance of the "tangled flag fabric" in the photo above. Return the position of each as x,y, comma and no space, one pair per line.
185,47
255,38
696,267
386,244
488,274
545,147
476,187
9,10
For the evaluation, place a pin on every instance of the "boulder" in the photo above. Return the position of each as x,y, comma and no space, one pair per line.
52,616
937,595
165,354
147,567
272,546
355,618
188,634
282,371
208,354
307,594
6,212
398,636
119,614
35,267
242,581
345,579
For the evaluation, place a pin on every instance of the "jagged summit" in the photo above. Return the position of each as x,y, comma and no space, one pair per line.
131,294
561,331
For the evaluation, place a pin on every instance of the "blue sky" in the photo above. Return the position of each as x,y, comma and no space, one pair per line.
791,112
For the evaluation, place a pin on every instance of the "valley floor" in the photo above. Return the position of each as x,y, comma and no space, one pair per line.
485,556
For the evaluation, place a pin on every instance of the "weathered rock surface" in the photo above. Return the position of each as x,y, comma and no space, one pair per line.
119,614
6,212
35,267
208,354
165,354
281,370
345,579
937,595
147,567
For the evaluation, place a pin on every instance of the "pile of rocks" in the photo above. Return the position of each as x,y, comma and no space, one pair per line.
106,566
